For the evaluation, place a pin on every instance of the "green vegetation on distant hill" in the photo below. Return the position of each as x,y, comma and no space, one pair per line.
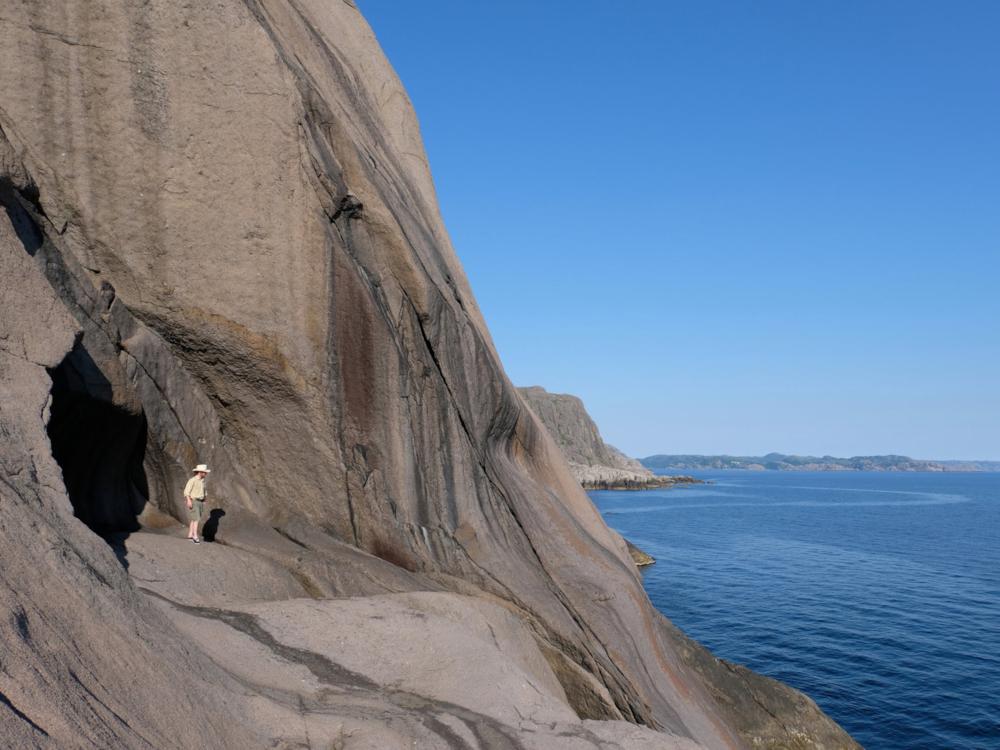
783,462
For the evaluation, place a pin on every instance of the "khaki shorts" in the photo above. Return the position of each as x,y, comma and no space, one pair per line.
197,510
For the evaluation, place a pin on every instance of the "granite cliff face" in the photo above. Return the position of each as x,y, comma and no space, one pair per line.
575,432
220,243
594,463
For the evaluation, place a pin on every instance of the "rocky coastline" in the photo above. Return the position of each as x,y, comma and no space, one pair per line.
595,464
640,557
220,244
638,482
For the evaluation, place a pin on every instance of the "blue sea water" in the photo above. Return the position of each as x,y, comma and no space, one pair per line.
877,594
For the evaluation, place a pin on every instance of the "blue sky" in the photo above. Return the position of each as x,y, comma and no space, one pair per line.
730,227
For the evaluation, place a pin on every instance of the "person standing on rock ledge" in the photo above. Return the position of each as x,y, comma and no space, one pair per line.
194,494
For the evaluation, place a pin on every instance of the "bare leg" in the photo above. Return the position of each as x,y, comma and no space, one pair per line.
193,530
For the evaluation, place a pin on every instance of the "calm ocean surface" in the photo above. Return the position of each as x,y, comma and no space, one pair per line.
878,594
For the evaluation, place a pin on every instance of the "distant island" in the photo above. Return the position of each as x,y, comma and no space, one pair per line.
783,462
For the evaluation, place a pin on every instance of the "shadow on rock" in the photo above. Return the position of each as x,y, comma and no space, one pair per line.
211,527
117,544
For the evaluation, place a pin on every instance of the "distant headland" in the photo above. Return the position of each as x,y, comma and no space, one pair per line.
594,464
784,462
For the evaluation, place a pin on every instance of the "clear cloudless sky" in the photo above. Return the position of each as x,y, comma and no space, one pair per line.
729,227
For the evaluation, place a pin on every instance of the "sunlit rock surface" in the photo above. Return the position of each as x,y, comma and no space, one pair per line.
594,463
220,243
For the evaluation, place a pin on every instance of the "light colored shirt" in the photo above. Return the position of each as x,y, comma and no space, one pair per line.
195,488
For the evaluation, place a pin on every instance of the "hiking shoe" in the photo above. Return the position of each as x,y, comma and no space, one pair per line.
196,540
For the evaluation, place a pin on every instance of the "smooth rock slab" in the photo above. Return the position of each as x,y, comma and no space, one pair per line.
447,647
426,670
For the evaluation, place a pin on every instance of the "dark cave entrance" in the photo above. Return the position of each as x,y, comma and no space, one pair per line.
99,446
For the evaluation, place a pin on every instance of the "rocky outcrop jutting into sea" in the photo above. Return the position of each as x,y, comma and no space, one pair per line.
594,463
220,243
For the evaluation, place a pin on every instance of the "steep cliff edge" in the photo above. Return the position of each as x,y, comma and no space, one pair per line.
594,463
220,243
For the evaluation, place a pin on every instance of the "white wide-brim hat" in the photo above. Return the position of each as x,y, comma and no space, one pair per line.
201,467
